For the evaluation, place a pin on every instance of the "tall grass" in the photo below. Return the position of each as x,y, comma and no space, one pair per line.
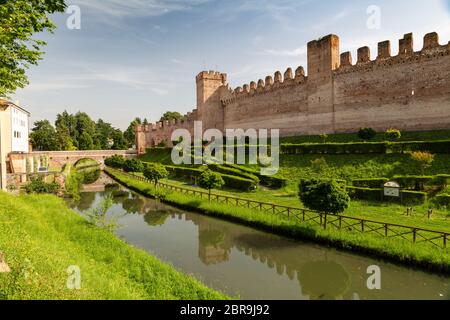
40,238
423,255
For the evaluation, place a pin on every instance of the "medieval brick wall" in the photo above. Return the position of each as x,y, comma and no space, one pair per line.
408,91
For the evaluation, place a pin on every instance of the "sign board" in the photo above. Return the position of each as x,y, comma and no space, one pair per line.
392,189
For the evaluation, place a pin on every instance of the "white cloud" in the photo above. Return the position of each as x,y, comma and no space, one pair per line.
122,8
298,52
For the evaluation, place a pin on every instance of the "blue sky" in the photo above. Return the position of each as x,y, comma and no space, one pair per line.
140,57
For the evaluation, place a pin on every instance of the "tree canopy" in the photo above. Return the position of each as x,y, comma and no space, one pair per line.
79,132
323,196
171,115
19,21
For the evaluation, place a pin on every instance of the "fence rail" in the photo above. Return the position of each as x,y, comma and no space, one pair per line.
327,221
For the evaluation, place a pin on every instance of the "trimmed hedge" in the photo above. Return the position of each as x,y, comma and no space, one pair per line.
269,181
442,180
413,182
370,183
369,194
233,172
442,200
232,182
439,147
413,197
335,148
377,194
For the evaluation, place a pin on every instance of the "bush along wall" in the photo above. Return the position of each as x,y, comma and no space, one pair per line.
436,147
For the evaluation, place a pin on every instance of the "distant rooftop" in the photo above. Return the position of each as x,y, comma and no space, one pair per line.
4,104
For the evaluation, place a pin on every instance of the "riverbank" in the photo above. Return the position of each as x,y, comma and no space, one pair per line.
41,238
420,255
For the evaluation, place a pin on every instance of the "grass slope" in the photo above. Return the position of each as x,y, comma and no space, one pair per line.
40,238
423,255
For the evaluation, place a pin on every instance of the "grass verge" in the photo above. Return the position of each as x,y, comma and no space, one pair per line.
420,255
40,238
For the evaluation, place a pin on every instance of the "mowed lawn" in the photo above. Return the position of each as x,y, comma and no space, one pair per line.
41,238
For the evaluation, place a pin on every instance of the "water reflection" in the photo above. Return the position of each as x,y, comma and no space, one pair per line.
254,264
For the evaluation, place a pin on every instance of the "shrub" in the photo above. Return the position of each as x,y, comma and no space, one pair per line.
423,159
442,180
413,197
323,196
442,200
370,183
115,161
319,165
211,180
155,172
368,194
392,134
133,165
413,182
38,185
323,137
366,134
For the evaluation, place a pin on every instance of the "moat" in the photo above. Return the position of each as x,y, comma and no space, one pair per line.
250,264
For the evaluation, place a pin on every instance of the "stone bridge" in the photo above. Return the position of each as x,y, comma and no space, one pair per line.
57,159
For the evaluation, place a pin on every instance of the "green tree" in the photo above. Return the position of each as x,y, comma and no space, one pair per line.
130,133
119,142
65,142
104,134
171,115
85,127
323,196
85,142
155,172
19,21
211,180
43,136
67,121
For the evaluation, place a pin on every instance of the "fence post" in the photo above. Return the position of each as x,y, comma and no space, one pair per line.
414,235
445,241
289,212
340,222
325,221
386,230
362,225
303,212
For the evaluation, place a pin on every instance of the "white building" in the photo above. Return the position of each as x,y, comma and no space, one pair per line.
14,131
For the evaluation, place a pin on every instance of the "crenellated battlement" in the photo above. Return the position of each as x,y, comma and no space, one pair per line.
212,75
269,84
431,49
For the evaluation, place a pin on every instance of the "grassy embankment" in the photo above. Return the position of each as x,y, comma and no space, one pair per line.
423,255
40,238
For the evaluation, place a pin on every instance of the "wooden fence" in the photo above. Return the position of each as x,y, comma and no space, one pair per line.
327,221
